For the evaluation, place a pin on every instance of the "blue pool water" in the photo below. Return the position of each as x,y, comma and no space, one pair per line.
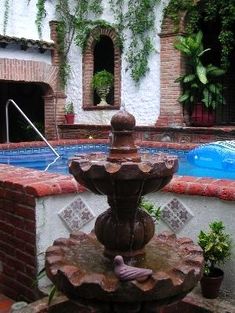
43,159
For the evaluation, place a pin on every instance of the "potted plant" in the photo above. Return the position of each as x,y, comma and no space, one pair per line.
102,82
216,245
69,113
202,92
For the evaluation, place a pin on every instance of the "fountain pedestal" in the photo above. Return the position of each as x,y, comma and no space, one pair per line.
82,265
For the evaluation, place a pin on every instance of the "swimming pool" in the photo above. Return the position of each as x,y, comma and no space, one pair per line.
43,159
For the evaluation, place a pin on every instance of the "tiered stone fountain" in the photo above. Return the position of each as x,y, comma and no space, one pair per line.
82,265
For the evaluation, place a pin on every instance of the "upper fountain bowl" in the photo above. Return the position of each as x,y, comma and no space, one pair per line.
123,170
101,176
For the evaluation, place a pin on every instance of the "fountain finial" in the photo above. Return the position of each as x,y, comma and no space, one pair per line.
123,121
123,147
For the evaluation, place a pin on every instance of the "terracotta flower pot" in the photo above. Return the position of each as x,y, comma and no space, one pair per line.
69,118
210,285
201,116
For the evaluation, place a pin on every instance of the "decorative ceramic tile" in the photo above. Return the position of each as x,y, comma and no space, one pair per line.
76,214
175,215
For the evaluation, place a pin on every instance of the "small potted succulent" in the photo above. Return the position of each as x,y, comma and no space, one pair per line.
216,245
102,82
202,92
69,113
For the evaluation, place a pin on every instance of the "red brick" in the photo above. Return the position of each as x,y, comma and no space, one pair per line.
25,236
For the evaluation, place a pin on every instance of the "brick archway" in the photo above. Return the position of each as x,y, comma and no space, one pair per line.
88,66
38,72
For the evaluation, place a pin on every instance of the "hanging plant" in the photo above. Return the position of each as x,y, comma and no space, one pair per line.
208,10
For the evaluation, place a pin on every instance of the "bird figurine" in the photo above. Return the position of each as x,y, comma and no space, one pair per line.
125,272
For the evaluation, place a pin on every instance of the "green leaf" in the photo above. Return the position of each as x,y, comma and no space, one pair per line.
201,73
182,48
215,71
201,53
207,98
199,37
189,78
179,79
184,97
52,293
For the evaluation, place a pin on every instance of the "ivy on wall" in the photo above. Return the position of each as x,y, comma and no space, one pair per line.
41,13
6,16
137,16
223,12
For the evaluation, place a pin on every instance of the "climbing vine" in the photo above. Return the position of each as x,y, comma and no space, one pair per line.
41,13
141,22
139,18
223,12
6,16
136,16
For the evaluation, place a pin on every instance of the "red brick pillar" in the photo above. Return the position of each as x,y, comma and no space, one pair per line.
172,66
55,58
54,103
54,114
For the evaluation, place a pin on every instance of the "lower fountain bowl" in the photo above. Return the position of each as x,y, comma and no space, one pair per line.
79,269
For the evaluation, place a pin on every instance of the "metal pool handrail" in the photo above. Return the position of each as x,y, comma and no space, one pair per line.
28,120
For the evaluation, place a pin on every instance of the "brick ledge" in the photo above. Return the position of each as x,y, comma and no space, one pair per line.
42,184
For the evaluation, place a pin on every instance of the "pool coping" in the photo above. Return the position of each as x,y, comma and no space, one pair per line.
40,184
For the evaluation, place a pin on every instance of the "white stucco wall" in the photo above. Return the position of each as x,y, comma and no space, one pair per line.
143,100
22,16
205,210
21,24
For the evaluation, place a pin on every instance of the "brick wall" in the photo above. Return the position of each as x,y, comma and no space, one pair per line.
165,134
17,242
19,190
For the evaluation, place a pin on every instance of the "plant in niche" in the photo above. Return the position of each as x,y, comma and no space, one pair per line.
102,82
200,83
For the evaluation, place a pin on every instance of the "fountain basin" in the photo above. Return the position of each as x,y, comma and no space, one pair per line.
124,178
80,270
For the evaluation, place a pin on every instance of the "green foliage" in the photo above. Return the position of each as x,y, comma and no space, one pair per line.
216,245
140,19
6,16
102,79
74,26
199,83
223,12
137,16
150,208
53,291
69,109
41,13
